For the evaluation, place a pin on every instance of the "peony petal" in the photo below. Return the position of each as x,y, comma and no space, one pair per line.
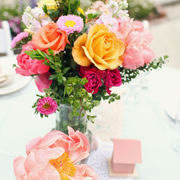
32,145
85,172
19,169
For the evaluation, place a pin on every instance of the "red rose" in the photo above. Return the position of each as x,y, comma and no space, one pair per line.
93,76
112,78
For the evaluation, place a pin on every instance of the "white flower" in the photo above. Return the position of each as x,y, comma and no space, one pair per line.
34,19
113,6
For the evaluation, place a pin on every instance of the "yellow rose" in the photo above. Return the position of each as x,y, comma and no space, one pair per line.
51,4
100,47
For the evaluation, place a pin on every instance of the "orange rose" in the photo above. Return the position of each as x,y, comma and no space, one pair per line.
50,36
100,47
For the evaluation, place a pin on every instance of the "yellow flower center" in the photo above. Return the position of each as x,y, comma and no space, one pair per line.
70,23
46,106
64,166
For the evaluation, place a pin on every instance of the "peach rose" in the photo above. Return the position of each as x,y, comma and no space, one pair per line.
50,36
100,47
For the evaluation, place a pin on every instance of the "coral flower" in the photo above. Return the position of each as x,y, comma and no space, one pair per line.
47,106
52,158
70,23
50,36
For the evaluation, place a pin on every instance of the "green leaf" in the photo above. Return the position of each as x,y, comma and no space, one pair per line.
50,51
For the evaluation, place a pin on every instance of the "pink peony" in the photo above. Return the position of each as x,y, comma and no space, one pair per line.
137,52
51,157
125,26
43,82
70,23
47,106
18,38
93,75
137,41
28,66
75,144
112,78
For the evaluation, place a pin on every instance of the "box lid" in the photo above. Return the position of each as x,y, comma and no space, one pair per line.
127,151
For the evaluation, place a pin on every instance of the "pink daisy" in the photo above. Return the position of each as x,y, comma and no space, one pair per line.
47,106
70,23
18,38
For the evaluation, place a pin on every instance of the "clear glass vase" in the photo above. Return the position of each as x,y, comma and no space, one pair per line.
80,123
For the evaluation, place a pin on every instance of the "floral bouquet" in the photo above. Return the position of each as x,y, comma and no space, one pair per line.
76,57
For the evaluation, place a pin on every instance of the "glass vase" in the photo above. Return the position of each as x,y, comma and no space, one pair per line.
80,123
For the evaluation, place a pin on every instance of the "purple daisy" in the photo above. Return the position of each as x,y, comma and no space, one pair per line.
47,106
70,23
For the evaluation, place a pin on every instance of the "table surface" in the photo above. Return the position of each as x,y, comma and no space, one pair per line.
141,116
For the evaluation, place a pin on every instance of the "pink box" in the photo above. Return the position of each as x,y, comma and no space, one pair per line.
126,154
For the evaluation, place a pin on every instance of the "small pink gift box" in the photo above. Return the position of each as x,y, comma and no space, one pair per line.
126,154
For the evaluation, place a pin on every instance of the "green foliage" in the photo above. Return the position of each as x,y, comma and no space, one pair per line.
128,75
65,7
93,16
68,87
140,9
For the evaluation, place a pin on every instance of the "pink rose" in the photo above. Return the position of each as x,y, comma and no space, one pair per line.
113,78
93,75
54,157
28,66
43,82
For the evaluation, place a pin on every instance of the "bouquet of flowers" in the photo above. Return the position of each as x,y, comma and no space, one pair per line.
76,57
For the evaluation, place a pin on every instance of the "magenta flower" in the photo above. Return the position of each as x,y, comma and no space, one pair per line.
19,38
28,66
70,23
94,76
47,106
43,82
112,78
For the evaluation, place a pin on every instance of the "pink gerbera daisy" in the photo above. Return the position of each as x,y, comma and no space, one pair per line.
47,106
70,23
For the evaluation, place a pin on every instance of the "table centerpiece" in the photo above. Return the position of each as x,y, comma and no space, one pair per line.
77,56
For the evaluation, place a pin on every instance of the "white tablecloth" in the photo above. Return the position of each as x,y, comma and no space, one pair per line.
144,120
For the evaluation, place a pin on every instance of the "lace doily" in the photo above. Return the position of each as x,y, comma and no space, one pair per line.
98,160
